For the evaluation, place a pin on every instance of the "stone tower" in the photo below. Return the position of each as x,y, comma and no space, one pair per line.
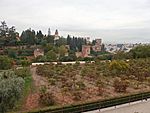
49,31
56,33
86,50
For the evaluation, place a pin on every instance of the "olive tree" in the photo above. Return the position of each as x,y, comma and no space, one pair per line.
11,88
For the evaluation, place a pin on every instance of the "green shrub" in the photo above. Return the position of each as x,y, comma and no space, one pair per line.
5,62
52,81
23,72
24,62
11,88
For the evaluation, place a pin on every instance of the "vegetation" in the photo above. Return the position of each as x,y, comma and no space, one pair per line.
141,52
111,75
5,63
14,85
7,35
28,87
75,44
118,77
120,85
90,106
46,98
11,88
23,72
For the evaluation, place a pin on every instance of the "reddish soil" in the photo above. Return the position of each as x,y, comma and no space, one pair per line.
62,98
32,102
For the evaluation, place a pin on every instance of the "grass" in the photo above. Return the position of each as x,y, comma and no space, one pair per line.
27,88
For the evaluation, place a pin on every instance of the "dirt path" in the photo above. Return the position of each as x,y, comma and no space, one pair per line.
32,101
38,80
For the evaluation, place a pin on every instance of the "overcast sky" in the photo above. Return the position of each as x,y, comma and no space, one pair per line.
117,21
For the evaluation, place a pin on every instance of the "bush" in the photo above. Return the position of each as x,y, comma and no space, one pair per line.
52,81
88,59
66,59
140,52
23,72
120,85
11,88
80,85
46,98
5,62
24,62
12,53
118,67
77,95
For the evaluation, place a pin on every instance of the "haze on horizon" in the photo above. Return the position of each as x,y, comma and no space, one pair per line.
117,21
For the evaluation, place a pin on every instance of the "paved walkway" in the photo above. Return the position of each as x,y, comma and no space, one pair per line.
136,107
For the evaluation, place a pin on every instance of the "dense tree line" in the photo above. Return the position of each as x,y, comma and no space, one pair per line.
75,43
28,37
142,51
7,35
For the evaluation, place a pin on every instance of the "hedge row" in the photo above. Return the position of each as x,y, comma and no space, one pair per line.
94,105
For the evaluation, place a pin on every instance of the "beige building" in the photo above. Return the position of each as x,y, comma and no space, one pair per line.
38,52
